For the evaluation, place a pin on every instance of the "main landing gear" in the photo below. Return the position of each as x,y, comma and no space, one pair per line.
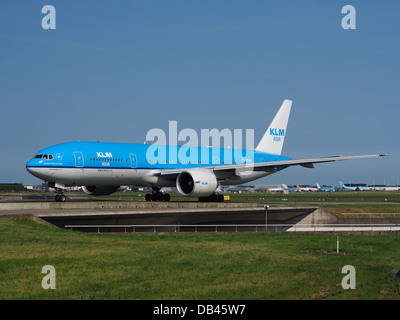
156,195
212,198
60,196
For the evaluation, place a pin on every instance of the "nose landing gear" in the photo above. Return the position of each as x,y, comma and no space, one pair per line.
60,196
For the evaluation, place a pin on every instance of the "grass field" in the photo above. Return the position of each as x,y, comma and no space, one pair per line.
191,266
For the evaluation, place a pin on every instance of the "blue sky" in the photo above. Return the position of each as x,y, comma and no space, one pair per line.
112,70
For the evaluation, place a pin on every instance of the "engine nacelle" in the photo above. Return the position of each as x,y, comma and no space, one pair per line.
99,190
196,183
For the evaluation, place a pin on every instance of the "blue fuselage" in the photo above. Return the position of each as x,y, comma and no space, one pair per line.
102,163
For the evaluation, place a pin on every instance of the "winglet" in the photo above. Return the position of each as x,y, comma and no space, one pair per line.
272,141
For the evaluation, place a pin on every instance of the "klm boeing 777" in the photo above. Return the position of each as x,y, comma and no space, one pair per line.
102,167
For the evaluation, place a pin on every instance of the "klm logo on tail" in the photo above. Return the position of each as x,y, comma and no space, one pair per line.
272,141
277,133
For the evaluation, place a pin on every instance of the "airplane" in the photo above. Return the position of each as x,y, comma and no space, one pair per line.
101,167
275,189
306,188
325,188
354,187
291,188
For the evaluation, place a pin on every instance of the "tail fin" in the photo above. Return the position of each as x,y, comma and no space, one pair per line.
272,141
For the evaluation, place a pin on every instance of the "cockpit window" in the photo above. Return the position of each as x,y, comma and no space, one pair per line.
44,156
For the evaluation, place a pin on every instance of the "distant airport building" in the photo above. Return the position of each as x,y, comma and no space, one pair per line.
381,187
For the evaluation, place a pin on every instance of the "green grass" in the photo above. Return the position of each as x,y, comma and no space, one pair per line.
190,266
388,211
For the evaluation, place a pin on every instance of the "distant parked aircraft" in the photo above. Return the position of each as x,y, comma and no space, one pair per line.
354,186
275,189
306,188
325,188
289,188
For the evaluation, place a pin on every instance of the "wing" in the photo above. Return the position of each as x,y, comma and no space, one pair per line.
270,166
308,163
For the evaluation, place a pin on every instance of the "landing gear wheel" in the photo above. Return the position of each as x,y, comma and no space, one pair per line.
60,198
154,197
157,196
212,198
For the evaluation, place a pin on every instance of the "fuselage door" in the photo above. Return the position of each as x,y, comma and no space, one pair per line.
78,159
133,160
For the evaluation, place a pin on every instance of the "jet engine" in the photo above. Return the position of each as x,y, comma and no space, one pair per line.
196,183
99,190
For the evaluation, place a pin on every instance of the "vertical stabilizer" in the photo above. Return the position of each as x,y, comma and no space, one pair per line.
272,141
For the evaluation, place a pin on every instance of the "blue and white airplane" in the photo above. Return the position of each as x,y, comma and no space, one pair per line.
290,188
354,187
325,188
102,167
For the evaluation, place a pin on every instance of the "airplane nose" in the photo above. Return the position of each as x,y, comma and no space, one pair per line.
29,166
32,168
29,169
36,172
